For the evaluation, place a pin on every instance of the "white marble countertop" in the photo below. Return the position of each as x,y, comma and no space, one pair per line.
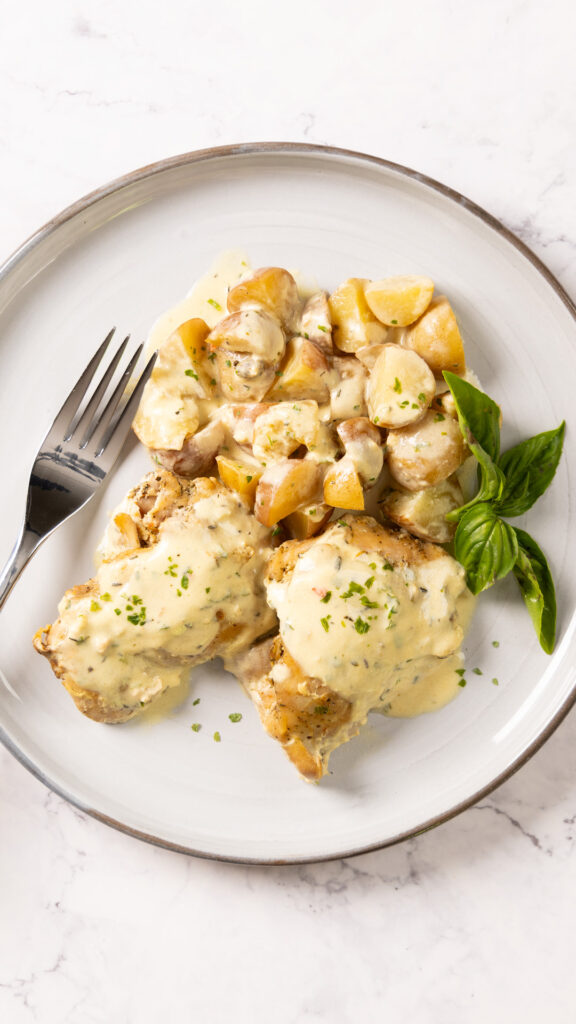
471,922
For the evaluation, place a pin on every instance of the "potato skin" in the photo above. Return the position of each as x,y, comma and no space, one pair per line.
426,452
399,301
272,288
436,338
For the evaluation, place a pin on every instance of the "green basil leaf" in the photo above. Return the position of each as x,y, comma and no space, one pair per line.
485,545
490,485
478,415
529,468
537,587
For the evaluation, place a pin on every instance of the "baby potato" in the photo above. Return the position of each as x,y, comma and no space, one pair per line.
353,321
197,454
343,487
283,427
305,373
270,288
308,521
426,452
193,334
423,513
316,322
251,331
436,338
399,301
400,388
363,445
244,378
239,477
347,394
285,487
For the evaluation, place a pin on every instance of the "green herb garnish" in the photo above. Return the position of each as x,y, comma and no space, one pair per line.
191,373
235,716
326,597
509,484
196,727
212,302
361,626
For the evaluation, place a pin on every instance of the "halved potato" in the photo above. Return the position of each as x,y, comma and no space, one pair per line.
197,454
305,373
272,288
343,486
426,452
354,323
347,395
283,428
239,477
285,487
436,338
251,331
423,513
399,301
308,521
316,322
363,445
400,388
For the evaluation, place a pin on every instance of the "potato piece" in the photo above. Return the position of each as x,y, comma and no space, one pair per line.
400,388
423,513
363,445
251,331
283,428
285,487
240,419
271,288
399,301
196,457
347,398
305,373
354,323
239,477
193,334
426,452
368,355
308,521
243,377
436,338
343,487
316,322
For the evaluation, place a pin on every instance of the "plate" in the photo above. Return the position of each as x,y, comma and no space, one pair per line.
122,256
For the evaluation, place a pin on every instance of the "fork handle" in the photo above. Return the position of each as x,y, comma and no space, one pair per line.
22,552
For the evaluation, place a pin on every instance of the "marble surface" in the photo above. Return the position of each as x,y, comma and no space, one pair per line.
471,922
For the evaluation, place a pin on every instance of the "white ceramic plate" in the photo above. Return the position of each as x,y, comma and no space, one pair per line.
124,255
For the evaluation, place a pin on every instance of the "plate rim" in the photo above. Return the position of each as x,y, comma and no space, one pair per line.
308,149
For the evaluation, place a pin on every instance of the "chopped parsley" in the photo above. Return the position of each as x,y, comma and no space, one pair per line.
361,626
439,417
191,373
397,386
421,397
195,702
368,603
95,607
326,597
105,597
248,479
368,583
477,671
393,321
325,623
196,727
353,588
235,716
462,682
212,302
321,327
495,681
495,643
217,737
184,582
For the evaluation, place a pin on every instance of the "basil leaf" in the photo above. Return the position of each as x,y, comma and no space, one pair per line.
537,586
485,545
478,415
529,468
491,484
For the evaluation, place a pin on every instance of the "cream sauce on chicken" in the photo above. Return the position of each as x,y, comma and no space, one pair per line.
384,637
157,610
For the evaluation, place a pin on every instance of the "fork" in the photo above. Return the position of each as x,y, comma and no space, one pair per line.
77,454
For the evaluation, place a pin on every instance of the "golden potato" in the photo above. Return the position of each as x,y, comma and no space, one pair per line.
250,331
272,288
239,477
343,487
316,322
308,521
426,452
285,487
193,334
436,338
399,301
363,445
400,388
354,323
305,373
241,377
423,513
347,395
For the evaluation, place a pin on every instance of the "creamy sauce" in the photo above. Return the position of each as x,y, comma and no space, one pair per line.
383,633
158,610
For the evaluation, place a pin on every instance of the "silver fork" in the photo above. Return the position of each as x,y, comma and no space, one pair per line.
76,455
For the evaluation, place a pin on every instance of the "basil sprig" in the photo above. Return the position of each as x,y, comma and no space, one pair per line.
508,485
